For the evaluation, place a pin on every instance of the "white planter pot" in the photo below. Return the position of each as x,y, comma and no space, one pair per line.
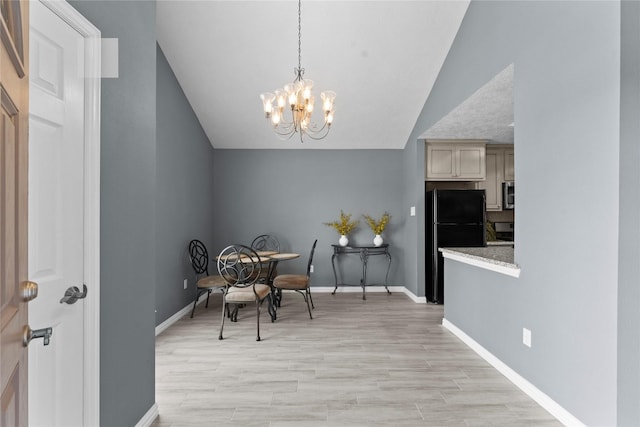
378,240
344,241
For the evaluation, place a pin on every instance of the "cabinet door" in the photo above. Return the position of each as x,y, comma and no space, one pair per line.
471,162
441,162
455,162
509,174
493,183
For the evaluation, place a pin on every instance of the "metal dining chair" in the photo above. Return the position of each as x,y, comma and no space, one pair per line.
240,268
265,242
205,283
298,282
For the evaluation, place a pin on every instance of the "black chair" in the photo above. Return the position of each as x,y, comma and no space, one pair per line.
199,258
240,267
298,282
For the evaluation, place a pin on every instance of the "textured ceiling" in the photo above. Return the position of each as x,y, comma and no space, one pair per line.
381,57
487,114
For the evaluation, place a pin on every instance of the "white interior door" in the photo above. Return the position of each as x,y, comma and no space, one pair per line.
56,218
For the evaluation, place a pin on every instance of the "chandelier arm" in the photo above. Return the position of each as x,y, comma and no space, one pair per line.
283,130
313,127
317,137
318,134
285,136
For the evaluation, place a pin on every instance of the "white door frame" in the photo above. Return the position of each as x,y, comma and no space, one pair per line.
92,66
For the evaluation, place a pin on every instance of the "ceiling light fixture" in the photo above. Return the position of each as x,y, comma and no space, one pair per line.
299,98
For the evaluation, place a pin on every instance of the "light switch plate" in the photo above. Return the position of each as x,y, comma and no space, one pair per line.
526,337
413,211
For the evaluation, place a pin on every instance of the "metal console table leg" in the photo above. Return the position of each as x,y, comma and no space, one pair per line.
335,275
364,252
364,257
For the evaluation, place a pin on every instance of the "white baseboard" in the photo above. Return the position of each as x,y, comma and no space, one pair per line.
564,416
414,297
149,417
179,315
376,288
345,289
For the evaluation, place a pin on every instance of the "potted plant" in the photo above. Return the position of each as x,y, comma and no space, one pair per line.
343,226
378,226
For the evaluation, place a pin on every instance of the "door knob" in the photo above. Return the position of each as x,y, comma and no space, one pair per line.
28,334
73,294
28,290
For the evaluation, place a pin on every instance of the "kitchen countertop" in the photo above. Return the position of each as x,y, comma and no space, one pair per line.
495,258
500,243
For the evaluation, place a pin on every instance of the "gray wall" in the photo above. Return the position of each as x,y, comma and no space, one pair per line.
128,222
414,233
184,205
629,247
567,85
291,193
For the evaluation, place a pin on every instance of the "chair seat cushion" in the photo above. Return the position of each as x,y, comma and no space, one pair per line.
211,282
291,281
235,294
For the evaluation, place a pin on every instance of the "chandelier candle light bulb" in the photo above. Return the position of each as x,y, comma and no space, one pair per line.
299,95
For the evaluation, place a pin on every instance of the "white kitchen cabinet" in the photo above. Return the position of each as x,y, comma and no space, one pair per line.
455,161
499,162
492,185
509,174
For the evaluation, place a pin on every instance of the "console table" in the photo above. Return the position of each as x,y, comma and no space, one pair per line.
365,252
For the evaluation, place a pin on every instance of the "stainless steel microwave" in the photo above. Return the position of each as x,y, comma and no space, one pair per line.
508,195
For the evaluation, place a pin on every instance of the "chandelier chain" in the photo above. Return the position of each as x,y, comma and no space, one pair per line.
300,38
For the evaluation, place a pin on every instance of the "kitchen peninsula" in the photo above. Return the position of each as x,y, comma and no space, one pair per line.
495,258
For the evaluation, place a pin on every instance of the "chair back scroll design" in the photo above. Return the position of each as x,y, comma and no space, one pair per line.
199,257
239,265
266,242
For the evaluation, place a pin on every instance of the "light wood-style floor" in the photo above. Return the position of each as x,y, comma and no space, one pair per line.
386,361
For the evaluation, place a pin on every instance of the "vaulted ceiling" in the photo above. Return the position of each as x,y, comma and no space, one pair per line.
381,57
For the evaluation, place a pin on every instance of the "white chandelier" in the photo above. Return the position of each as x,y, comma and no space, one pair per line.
298,96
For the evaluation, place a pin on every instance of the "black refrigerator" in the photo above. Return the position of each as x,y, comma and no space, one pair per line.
455,218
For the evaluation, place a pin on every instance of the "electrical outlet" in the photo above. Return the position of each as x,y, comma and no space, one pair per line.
526,337
311,269
412,211
186,282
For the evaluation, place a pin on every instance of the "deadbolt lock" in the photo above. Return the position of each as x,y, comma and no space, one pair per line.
28,334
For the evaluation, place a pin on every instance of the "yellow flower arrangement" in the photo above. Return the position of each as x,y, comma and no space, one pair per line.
378,226
344,226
